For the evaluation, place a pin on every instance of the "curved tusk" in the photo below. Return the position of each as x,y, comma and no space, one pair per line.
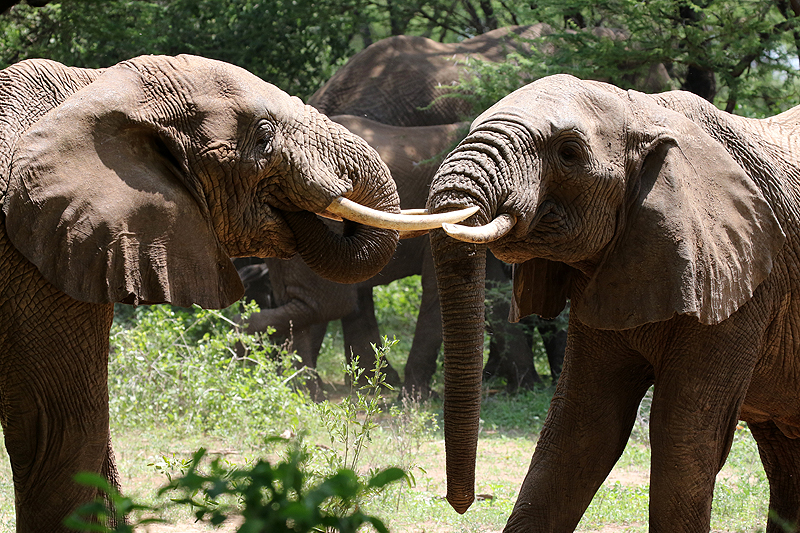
499,227
400,221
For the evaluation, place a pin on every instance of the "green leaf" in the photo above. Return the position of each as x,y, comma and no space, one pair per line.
384,477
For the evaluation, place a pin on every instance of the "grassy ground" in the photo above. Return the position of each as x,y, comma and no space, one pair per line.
620,505
175,388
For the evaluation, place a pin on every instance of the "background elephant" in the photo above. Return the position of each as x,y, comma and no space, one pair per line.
137,184
672,228
404,80
397,80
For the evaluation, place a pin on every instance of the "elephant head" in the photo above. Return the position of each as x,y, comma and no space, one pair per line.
601,195
142,185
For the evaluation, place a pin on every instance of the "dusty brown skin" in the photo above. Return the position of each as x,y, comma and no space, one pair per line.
137,184
396,80
673,227
306,302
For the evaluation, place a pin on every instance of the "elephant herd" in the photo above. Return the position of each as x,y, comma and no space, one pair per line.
671,228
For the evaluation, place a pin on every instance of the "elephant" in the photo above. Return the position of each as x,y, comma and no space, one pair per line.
403,80
305,302
137,184
672,227
397,80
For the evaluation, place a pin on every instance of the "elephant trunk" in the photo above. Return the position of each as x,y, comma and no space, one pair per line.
461,272
359,251
471,175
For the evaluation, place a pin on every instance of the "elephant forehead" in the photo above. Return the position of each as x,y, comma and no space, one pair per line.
211,86
558,103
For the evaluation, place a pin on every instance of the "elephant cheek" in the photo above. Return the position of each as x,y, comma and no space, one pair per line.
269,238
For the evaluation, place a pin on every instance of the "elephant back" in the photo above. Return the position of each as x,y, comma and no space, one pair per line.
394,80
28,90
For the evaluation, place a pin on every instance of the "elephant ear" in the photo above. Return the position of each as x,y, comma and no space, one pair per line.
98,201
698,238
541,287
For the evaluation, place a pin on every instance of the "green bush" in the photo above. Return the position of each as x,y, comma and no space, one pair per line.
195,370
269,498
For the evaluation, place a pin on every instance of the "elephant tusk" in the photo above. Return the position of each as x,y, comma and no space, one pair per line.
497,228
403,221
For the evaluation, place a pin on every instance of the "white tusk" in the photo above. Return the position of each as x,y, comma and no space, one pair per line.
499,227
400,221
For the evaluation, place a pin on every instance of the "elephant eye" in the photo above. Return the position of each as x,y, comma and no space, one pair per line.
570,152
264,135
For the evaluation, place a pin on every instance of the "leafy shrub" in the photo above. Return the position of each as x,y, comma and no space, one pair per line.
292,495
269,498
195,370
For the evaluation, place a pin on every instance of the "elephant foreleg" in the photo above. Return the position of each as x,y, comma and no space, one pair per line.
587,427
510,347
424,352
781,458
702,376
555,342
360,331
53,384
307,343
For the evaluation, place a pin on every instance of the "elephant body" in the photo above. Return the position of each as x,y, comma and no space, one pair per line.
396,80
137,184
673,229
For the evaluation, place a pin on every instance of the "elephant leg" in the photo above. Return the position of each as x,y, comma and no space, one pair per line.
424,352
360,329
307,342
587,427
54,397
510,348
702,377
781,458
555,342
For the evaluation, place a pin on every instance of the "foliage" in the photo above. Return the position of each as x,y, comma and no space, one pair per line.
396,308
195,371
523,412
351,421
112,508
273,498
289,496
278,498
741,55
293,44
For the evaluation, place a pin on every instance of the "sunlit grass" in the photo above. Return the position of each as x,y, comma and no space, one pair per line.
230,424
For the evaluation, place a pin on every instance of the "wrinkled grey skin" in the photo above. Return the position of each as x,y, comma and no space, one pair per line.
137,184
673,227
305,302
395,82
